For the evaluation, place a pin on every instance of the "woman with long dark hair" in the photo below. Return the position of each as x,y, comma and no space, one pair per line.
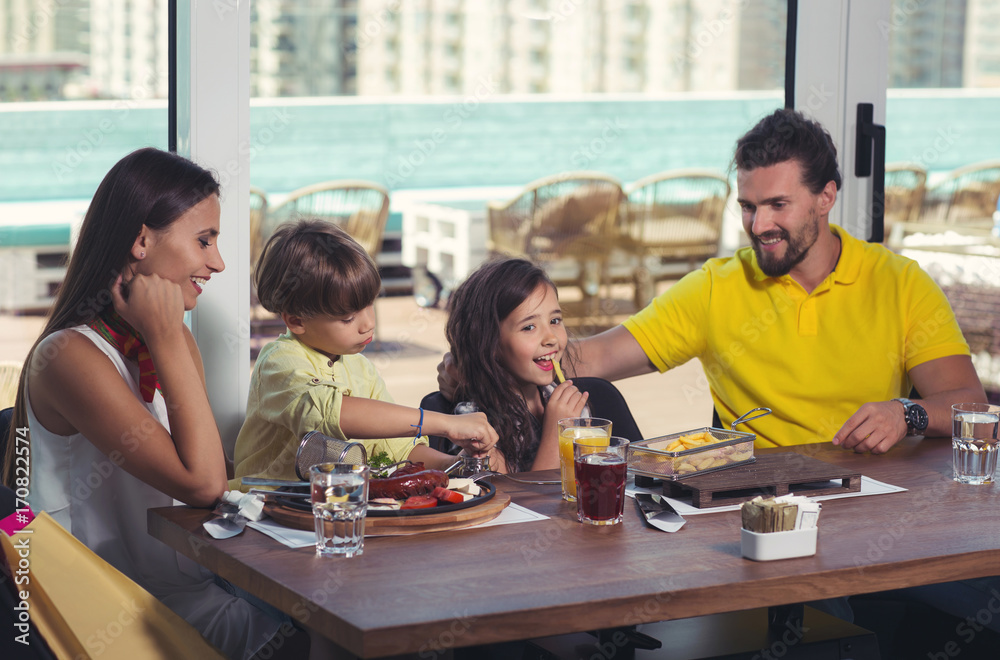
113,392
506,334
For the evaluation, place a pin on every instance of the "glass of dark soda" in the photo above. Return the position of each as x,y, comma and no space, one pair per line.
600,480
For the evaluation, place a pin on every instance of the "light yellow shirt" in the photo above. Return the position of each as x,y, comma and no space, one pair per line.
812,358
294,390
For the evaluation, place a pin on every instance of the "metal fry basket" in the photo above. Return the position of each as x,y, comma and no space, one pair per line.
728,448
317,448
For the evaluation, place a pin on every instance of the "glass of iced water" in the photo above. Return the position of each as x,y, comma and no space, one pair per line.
339,502
974,442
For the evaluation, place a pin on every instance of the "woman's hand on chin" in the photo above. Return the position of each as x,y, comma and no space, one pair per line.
155,305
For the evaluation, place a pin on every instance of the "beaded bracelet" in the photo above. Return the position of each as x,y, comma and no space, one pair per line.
419,426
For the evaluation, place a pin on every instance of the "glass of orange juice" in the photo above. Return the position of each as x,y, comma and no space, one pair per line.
592,431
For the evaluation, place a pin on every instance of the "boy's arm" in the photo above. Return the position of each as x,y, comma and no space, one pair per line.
366,418
432,458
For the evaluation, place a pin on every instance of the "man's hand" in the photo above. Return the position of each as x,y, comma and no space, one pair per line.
876,427
449,377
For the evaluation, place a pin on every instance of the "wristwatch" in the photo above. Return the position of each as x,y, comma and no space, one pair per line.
915,415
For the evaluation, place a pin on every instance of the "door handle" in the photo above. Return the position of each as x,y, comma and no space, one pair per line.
871,134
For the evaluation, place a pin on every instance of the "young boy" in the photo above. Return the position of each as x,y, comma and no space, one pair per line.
314,378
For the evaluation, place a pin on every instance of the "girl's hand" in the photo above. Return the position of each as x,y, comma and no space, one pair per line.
472,432
155,306
566,401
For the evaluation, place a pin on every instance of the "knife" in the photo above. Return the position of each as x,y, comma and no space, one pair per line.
658,512
274,483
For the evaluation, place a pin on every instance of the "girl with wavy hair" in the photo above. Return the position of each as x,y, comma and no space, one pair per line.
506,332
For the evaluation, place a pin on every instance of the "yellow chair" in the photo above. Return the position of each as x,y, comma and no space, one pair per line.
674,217
10,374
567,224
82,607
967,196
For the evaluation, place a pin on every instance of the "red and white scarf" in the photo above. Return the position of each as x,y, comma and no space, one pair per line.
117,332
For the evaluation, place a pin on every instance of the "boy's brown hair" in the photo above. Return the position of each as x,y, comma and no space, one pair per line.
313,268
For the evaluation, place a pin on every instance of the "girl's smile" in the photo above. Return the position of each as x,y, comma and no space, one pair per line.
532,336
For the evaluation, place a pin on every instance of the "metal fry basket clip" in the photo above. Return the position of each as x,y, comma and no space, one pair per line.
746,417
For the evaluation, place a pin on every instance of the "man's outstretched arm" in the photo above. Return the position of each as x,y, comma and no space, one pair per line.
611,355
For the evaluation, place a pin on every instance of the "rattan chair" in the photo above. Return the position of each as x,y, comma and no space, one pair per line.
967,196
905,186
258,211
360,207
567,224
673,217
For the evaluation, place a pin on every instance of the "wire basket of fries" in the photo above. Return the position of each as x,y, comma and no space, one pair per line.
698,451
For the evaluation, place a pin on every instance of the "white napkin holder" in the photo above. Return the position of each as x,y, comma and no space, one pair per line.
778,545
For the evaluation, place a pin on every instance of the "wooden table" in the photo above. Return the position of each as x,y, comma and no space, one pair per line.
454,589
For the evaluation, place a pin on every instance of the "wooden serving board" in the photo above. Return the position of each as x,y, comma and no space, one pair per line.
393,526
771,474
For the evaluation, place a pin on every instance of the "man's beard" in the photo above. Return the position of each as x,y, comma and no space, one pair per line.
796,247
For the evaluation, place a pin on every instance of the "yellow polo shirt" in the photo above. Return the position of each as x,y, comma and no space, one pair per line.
293,390
812,358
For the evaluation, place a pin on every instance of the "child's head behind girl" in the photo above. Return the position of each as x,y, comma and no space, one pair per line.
322,283
505,329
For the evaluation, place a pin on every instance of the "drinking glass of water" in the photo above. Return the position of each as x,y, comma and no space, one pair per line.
339,494
974,442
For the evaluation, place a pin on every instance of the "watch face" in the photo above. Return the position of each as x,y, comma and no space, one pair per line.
917,417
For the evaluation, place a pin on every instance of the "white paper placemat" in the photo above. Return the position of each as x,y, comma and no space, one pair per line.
684,507
300,538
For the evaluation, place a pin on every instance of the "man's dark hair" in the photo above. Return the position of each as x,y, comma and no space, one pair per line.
789,135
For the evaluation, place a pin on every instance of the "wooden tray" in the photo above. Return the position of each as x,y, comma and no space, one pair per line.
400,526
771,474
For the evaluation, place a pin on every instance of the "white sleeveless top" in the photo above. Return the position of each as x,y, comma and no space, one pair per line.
104,507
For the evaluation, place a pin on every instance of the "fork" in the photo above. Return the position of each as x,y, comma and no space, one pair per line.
490,473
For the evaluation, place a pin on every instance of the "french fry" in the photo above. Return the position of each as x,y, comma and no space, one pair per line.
559,374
